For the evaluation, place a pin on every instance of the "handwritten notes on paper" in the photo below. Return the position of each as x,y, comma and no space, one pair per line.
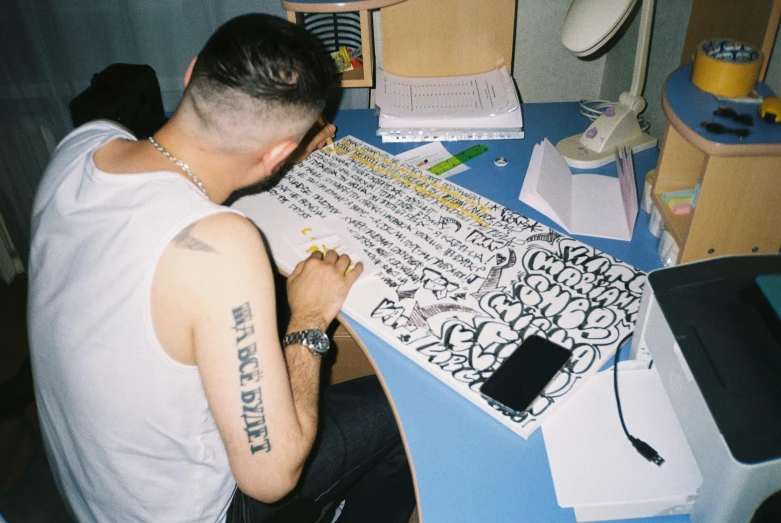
460,280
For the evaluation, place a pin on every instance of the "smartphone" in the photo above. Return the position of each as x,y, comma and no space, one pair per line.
525,373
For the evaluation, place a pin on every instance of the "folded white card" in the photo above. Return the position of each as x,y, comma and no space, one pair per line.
586,204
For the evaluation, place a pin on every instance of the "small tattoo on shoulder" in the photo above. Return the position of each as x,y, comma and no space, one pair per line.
186,240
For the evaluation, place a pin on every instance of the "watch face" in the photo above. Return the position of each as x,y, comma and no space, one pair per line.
317,340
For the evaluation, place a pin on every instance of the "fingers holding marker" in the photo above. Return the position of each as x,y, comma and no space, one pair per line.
341,263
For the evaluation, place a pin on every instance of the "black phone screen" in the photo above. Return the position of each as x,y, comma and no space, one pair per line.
521,377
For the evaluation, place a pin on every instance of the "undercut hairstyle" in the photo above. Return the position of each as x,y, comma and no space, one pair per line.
259,69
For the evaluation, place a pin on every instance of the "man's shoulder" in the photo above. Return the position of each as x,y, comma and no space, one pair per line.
225,233
96,130
227,227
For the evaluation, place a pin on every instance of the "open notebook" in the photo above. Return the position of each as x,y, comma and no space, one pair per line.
586,204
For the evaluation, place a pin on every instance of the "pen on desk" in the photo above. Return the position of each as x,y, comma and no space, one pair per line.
322,122
421,164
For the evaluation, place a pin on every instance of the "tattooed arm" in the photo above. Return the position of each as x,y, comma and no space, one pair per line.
213,306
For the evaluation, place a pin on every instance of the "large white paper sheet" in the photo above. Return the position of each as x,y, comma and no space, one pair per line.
461,281
595,468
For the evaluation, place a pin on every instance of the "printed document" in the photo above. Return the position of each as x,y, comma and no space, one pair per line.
482,101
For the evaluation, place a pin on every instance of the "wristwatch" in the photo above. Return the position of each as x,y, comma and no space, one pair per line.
314,339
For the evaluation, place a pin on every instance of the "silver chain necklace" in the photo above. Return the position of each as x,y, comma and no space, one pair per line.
183,166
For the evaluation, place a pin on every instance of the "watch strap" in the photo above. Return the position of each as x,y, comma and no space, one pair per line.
314,339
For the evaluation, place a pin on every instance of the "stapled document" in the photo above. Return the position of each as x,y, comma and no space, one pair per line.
473,107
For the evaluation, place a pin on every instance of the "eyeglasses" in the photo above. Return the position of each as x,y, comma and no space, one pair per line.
726,111
717,128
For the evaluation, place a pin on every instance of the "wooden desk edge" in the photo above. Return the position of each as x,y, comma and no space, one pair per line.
377,371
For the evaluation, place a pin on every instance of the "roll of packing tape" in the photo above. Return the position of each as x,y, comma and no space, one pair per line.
726,68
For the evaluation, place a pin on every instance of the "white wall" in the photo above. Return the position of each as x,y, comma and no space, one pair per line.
671,18
773,75
544,70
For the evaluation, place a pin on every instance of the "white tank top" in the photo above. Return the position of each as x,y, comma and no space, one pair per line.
127,429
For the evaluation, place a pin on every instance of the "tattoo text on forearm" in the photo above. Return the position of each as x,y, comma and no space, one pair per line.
249,381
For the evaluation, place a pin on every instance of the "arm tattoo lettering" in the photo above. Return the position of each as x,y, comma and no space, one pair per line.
250,374
186,240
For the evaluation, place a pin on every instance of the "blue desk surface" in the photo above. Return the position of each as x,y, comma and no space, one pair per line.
469,467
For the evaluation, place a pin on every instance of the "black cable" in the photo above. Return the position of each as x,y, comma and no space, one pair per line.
645,450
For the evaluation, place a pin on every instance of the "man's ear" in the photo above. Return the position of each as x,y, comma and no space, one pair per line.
277,154
189,73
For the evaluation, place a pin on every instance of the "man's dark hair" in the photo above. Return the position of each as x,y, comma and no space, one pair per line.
266,58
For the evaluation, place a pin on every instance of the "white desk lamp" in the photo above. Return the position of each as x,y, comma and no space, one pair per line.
589,24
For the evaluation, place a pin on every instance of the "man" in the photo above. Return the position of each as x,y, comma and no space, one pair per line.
160,380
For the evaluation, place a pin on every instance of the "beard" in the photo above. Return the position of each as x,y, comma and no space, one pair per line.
261,186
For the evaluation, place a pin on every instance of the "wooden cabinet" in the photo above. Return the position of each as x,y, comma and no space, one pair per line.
349,19
429,38
738,210
346,360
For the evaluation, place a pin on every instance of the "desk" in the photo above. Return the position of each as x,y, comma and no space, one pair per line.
468,467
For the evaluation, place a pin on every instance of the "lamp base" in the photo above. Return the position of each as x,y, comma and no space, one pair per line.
581,157
617,126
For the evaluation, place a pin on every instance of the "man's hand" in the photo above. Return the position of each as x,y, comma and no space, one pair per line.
315,138
317,289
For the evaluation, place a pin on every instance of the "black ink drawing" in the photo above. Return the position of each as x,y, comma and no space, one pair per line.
447,223
463,281
550,237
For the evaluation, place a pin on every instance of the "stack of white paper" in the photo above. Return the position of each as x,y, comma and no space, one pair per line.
587,204
595,468
482,106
